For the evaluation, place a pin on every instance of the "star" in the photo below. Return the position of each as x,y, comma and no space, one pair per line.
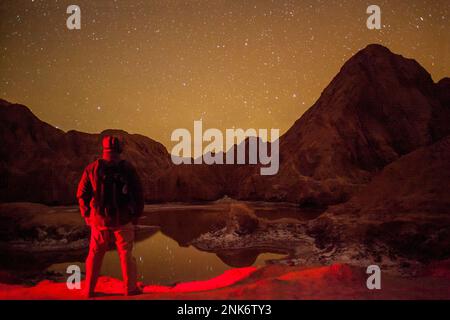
162,64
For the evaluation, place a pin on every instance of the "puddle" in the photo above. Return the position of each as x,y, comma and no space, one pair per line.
163,247
160,260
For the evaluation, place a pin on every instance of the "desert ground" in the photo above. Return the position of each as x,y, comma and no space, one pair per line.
304,267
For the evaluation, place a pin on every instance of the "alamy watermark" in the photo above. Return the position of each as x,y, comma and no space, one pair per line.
374,20
73,22
73,281
374,280
216,152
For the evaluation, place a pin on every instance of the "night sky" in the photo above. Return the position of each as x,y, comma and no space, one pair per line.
150,67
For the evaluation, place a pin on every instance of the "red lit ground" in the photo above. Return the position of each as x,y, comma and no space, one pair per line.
338,281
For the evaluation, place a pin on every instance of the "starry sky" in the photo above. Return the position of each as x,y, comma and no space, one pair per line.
151,66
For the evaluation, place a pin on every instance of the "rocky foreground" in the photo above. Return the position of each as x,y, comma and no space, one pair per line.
338,281
326,257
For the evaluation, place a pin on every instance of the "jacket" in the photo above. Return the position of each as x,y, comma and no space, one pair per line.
89,197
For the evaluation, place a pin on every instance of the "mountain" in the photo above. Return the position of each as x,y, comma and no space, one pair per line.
378,108
40,163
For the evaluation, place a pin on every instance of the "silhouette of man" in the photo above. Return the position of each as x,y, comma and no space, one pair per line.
111,200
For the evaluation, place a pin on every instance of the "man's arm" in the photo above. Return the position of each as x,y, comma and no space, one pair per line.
84,194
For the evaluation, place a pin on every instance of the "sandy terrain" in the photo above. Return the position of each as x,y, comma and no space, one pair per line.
337,281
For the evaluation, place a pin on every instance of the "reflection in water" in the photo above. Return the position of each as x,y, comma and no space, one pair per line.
239,259
163,251
162,261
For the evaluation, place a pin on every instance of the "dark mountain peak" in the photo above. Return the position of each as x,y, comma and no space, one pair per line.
376,64
15,110
375,49
15,116
372,75
375,53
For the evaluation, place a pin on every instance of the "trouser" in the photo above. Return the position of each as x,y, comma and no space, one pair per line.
101,239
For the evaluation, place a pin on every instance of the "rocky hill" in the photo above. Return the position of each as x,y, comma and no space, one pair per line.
379,107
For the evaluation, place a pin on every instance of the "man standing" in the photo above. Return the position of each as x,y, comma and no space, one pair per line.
111,200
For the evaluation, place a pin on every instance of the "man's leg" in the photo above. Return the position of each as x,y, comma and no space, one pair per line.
97,248
124,242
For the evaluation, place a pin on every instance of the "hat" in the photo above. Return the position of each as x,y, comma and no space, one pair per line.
111,144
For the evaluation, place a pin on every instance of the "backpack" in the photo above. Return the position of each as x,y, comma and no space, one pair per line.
115,192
